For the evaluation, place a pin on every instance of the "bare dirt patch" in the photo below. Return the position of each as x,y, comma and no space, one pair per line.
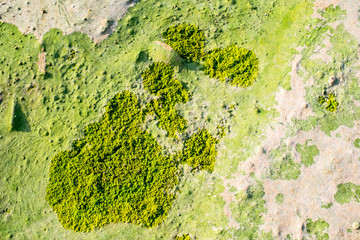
94,17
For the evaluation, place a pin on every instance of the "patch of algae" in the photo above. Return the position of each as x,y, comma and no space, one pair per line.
80,77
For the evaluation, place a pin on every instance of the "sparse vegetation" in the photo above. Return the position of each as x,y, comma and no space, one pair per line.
237,65
187,40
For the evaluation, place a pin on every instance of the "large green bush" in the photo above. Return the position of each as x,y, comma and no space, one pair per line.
238,66
200,151
187,40
159,80
115,173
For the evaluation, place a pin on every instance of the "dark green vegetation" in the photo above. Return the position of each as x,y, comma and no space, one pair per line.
347,192
319,228
159,80
115,173
330,100
308,152
200,151
187,40
183,237
236,65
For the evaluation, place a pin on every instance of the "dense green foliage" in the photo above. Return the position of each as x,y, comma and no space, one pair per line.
308,152
347,192
187,40
200,151
330,100
319,228
183,237
235,64
158,80
115,173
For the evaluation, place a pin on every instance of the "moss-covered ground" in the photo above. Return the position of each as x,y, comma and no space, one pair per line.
42,113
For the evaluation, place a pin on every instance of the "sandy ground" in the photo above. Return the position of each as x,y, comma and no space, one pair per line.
96,18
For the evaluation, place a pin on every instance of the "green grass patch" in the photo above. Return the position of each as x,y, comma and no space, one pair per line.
237,65
187,40
308,152
347,192
319,228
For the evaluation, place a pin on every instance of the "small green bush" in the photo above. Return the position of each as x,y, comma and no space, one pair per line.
332,104
330,100
200,151
115,173
187,40
237,65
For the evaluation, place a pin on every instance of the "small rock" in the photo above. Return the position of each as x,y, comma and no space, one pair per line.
355,225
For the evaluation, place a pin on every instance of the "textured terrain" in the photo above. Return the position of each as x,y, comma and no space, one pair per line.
287,168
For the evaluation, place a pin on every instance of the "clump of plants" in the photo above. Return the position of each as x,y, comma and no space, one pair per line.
187,40
319,228
236,65
183,237
115,173
159,80
347,192
308,152
200,151
330,101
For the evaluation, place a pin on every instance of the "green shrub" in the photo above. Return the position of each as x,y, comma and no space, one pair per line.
237,65
115,173
183,237
187,40
200,151
330,100
158,79
332,104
